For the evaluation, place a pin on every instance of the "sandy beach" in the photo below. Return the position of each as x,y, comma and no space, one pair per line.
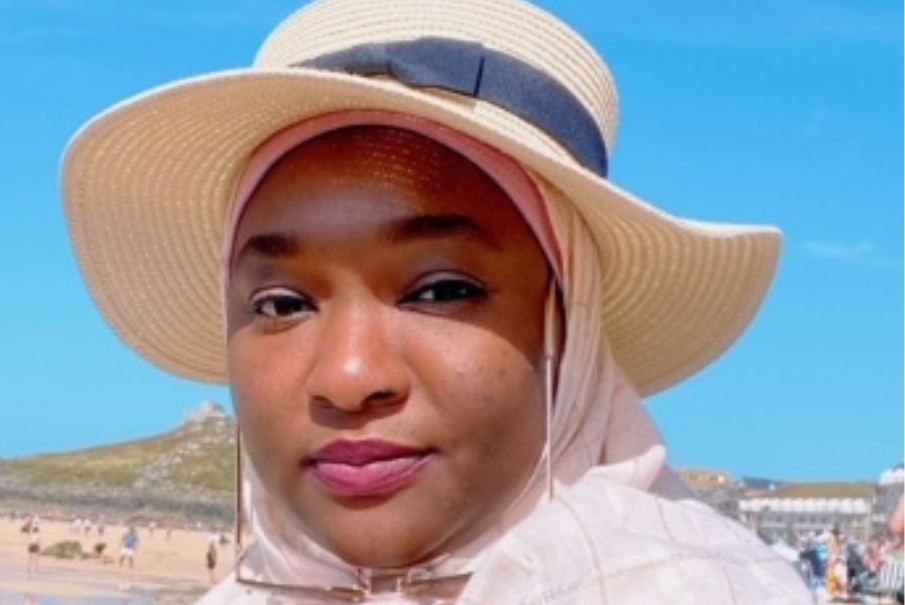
169,569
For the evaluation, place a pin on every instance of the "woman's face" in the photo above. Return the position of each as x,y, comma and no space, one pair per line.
385,345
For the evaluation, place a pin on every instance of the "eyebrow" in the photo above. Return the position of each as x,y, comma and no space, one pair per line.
269,245
279,244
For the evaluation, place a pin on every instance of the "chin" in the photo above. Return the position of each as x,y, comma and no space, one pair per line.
382,533
376,542
385,551
383,559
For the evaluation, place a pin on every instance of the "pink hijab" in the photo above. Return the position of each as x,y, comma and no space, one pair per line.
599,428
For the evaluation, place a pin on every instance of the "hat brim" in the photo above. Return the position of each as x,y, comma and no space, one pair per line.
149,183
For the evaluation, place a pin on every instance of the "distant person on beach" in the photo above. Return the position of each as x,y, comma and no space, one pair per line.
129,547
897,520
210,559
32,521
34,550
394,236
895,565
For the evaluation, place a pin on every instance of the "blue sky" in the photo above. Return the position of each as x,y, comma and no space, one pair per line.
786,112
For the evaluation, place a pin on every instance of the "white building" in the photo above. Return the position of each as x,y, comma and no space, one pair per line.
889,490
802,508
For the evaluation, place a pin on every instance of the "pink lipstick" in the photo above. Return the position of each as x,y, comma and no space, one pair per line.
359,469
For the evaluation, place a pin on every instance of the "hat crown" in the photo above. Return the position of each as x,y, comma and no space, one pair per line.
518,29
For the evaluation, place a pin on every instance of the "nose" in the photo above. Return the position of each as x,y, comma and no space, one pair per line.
357,363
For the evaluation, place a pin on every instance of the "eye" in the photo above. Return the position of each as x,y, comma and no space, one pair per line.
447,290
279,305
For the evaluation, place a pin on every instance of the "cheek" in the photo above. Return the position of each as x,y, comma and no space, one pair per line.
246,382
491,407
265,414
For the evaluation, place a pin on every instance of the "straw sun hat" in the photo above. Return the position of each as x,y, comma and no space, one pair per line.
148,184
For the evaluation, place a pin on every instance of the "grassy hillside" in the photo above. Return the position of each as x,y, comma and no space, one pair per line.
192,467
195,456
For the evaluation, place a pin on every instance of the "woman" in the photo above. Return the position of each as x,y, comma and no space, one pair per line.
394,238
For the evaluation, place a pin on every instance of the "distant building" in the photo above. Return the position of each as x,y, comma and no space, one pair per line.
704,479
788,510
761,485
889,489
717,488
206,411
796,509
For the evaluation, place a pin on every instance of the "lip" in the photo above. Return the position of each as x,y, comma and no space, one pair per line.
367,468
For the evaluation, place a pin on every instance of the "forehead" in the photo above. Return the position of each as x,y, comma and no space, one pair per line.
382,170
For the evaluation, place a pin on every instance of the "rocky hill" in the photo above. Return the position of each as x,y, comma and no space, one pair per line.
183,477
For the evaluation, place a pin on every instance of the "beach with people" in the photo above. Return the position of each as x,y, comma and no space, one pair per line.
170,565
